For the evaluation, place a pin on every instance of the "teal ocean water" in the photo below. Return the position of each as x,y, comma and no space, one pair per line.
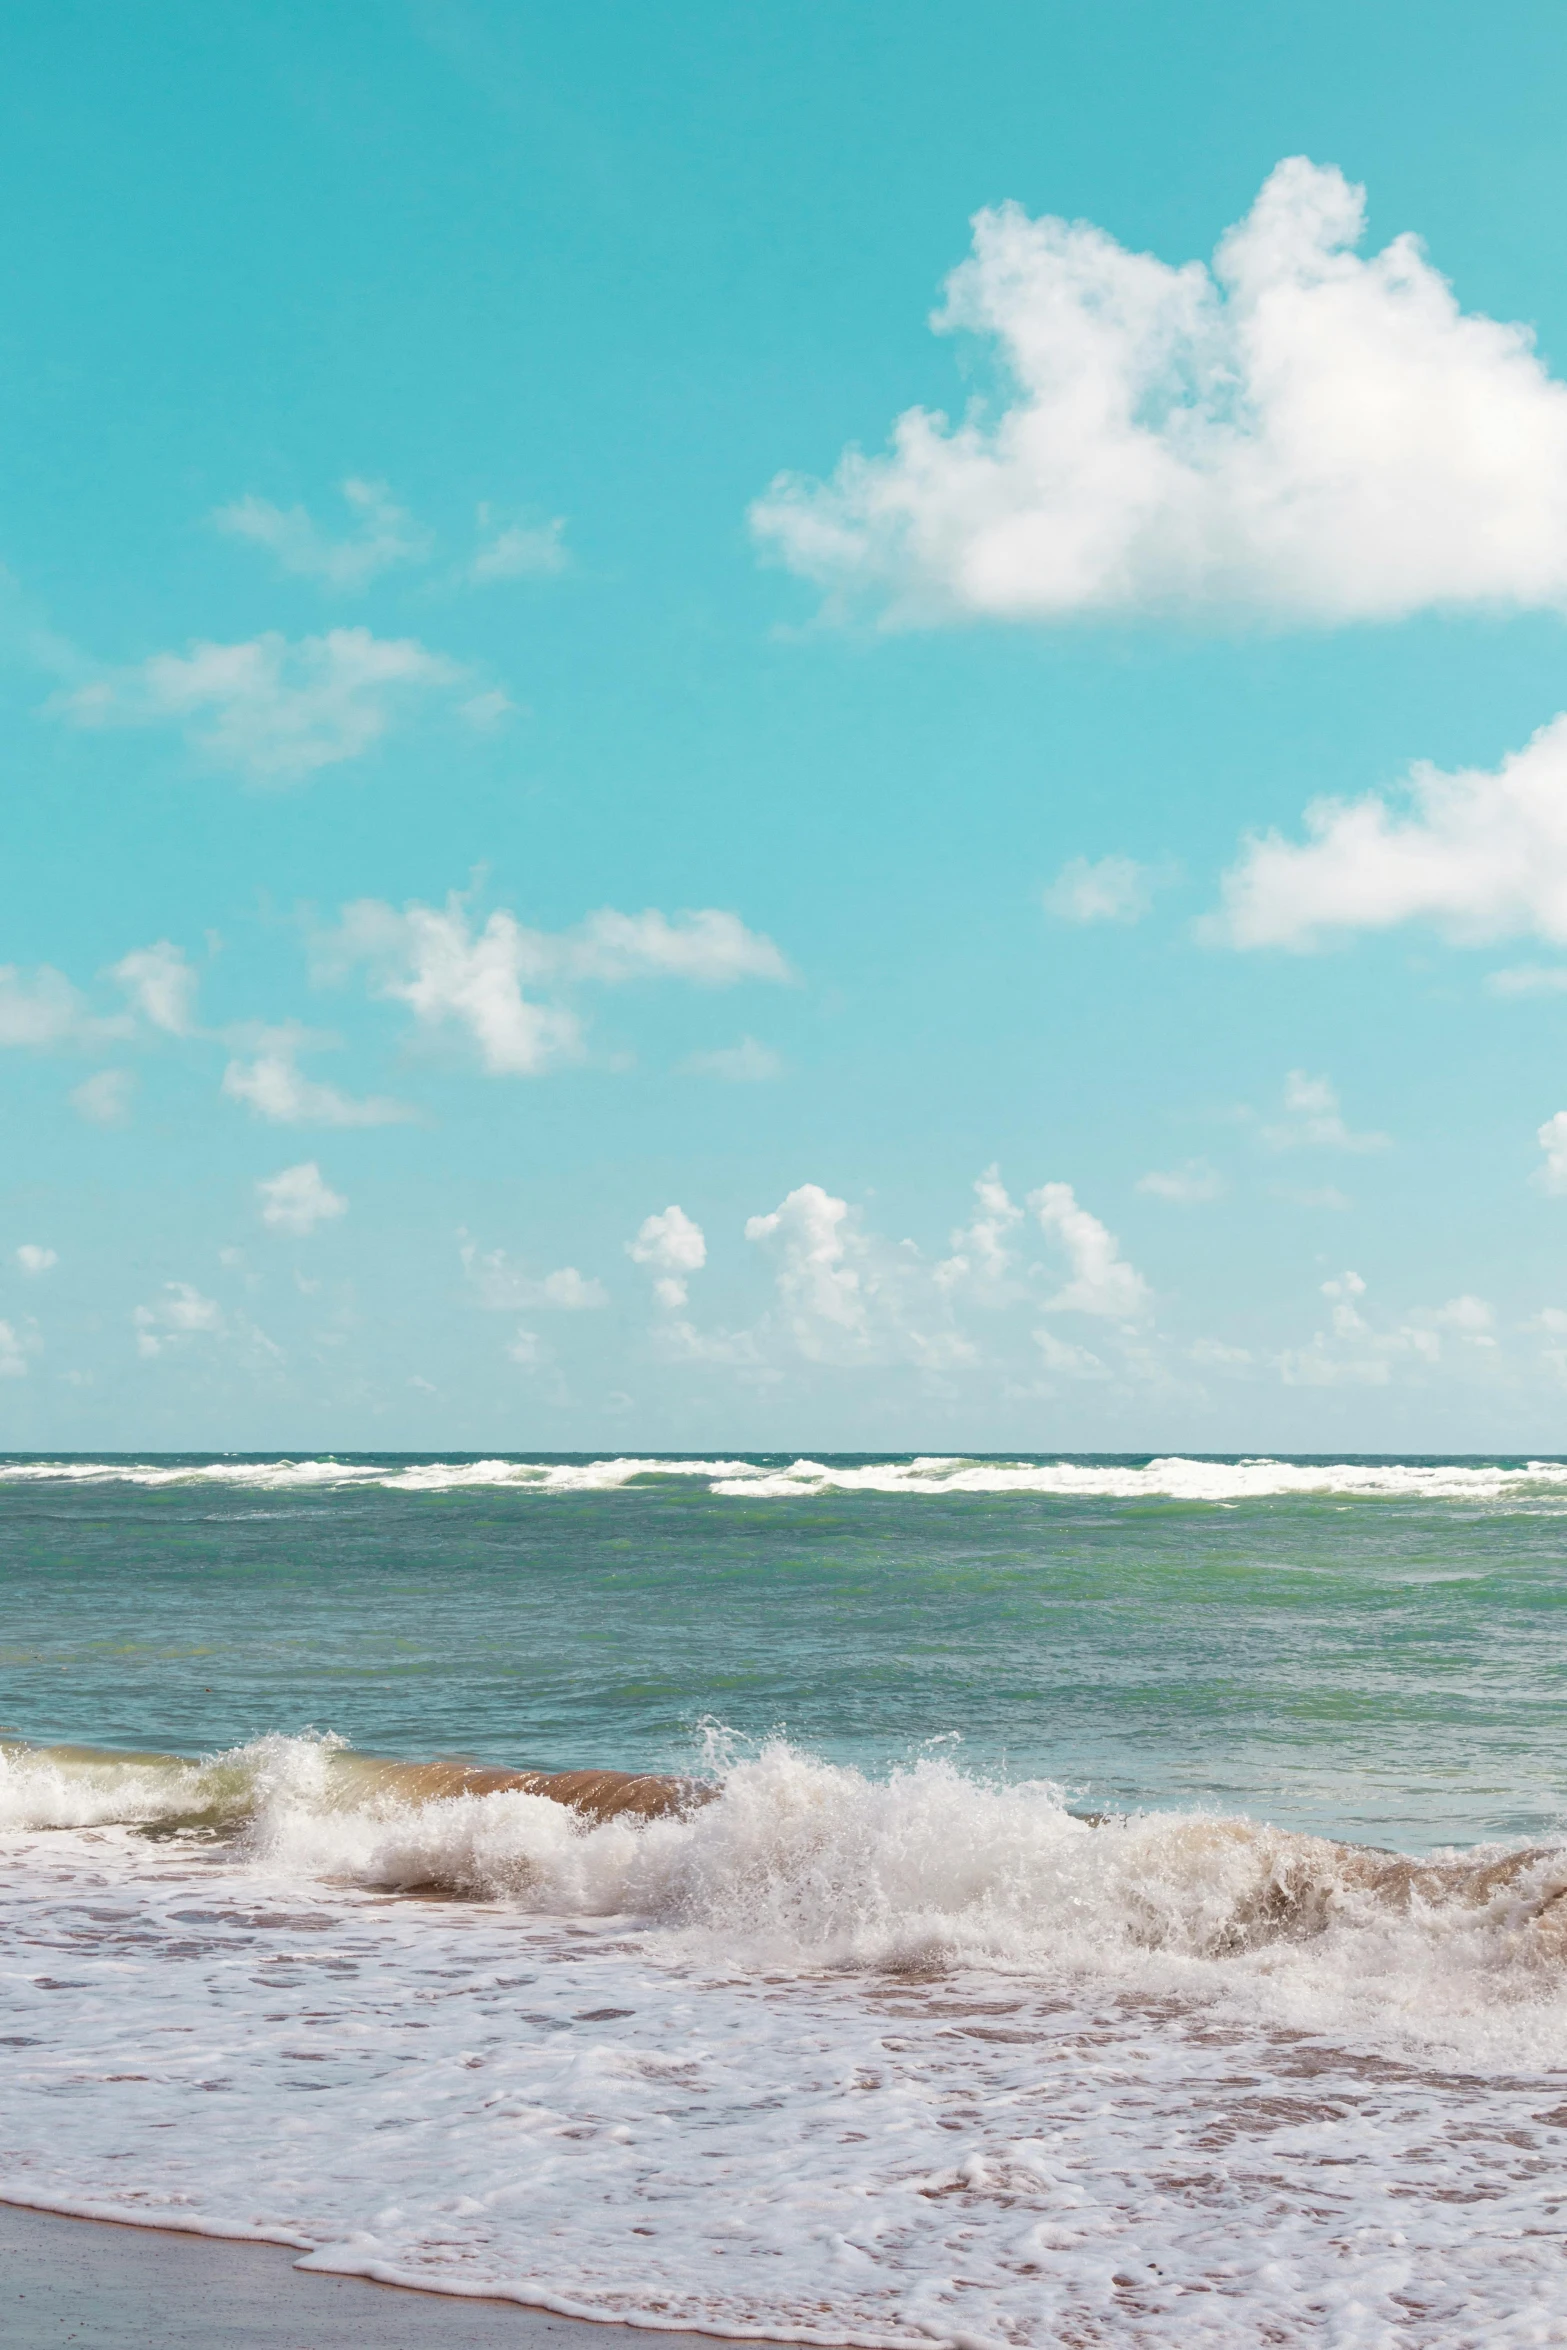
1377,1657
1092,1901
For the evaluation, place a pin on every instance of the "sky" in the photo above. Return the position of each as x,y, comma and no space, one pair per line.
738,728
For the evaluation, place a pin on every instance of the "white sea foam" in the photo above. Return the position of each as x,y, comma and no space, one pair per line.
282,1476
1175,1477
797,1862
825,2057
838,2060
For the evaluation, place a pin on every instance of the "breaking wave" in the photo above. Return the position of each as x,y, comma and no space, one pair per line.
1173,1477
791,1860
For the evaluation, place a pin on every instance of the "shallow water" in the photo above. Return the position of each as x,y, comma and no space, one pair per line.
881,2042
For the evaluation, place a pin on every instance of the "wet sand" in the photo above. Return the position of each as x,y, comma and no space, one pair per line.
86,2284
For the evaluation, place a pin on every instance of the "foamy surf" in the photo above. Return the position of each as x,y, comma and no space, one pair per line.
822,2057
789,1860
1176,1477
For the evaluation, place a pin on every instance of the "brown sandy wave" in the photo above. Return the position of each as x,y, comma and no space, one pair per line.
1211,1886
598,1795
174,1791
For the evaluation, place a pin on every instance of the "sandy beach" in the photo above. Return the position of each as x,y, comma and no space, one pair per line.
91,2283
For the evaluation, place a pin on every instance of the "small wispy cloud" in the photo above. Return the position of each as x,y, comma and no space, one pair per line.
274,1086
41,1008
298,1199
745,1063
161,985
1110,889
517,550
1315,1121
1313,1195
488,981
179,1314
1552,1139
104,1099
1528,979
674,1247
500,1286
381,534
1100,1280
271,710
1186,1186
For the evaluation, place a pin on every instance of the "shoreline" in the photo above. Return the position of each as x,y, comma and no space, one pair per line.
106,2284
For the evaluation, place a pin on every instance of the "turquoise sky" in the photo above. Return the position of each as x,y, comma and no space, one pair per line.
489,767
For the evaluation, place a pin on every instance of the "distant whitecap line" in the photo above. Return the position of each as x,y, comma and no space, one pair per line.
1174,1477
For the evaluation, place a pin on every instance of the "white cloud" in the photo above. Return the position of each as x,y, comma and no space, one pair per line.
15,1347
501,1286
1528,979
1211,1354
1325,1363
1473,1318
426,958
430,959
297,1199
1552,1139
487,711
849,1296
276,1090
709,947
1299,433
42,1008
745,1063
382,535
1067,1361
517,550
498,1284
1316,1366
272,710
674,1246
1101,1282
1186,1186
981,1259
814,1239
529,1349
940,1350
1114,889
1314,1120
1343,1290
161,985
1355,1352
104,1099
1481,853
569,1292
180,1314
680,1342
35,1260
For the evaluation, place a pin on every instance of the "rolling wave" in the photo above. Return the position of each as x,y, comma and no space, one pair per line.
1174,1477
790,1857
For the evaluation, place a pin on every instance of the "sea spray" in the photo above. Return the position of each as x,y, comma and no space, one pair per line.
794,1861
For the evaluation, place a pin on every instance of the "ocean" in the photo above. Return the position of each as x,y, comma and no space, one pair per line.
1090,1900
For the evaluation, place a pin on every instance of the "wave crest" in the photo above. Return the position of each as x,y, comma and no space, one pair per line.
796,1861
1174,1477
